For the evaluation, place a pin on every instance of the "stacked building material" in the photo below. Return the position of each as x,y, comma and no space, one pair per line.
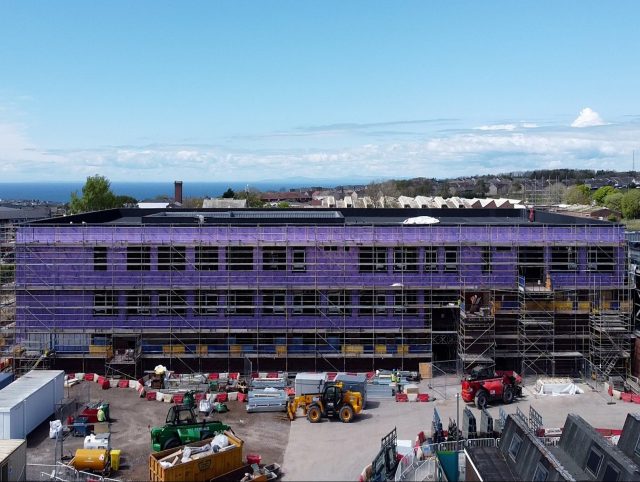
267,400
267,382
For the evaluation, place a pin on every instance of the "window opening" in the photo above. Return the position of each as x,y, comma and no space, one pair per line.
138,258
405,260
207,258
298,260
104,303
239,258
100,258
274,258
372,259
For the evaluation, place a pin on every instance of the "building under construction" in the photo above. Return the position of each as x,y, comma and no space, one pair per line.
323,289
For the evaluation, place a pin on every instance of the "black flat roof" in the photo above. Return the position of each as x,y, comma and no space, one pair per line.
315,216
491,464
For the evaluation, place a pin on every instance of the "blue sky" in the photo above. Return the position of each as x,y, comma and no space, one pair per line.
250,91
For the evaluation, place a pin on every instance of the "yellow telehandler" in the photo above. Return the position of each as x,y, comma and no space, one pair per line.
333,401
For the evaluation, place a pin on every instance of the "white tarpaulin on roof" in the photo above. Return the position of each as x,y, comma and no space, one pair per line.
557,386
421,220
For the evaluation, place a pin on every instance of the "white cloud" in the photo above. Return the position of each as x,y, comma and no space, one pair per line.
18,154
491,148
496,127
588,118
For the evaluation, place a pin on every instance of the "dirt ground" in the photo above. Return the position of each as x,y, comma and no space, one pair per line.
266,434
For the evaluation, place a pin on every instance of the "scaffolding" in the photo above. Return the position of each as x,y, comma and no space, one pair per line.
536,328
119,298
610,340
476,331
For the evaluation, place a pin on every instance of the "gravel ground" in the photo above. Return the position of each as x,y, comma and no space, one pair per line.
263,433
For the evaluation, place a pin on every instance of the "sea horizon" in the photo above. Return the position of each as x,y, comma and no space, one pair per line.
60,191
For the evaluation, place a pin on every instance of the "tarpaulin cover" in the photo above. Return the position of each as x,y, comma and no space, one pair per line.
557,386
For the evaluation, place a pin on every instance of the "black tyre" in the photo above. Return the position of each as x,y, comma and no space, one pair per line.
482,399
508,395
173,442
314,414
346,414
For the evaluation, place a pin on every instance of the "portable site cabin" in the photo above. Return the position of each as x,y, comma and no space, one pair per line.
13,460
306,383
355,383
29,401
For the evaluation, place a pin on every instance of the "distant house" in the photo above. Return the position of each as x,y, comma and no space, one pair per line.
297,197
498,188
9,214
224,203
585,211
595,184
153,205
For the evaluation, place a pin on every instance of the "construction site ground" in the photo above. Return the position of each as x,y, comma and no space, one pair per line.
263,433
329,450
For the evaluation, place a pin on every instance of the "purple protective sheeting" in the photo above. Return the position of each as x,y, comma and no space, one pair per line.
63,257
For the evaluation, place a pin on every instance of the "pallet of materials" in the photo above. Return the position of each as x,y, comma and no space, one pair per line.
268,382
267,400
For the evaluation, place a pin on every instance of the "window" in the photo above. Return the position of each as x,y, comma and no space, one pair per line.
371,302
138,258
298,259
239,258
338,303
207,258
405,303
273,302
611,473
602,258
305,303
531,255
541,473
514,446
405,260
100,258
171,258
593,461
330,248
563,258
371,260
430,258
636,450
164,303
104,303
274,259
486,260
240,303
138,303
206,303
172,302
451,259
